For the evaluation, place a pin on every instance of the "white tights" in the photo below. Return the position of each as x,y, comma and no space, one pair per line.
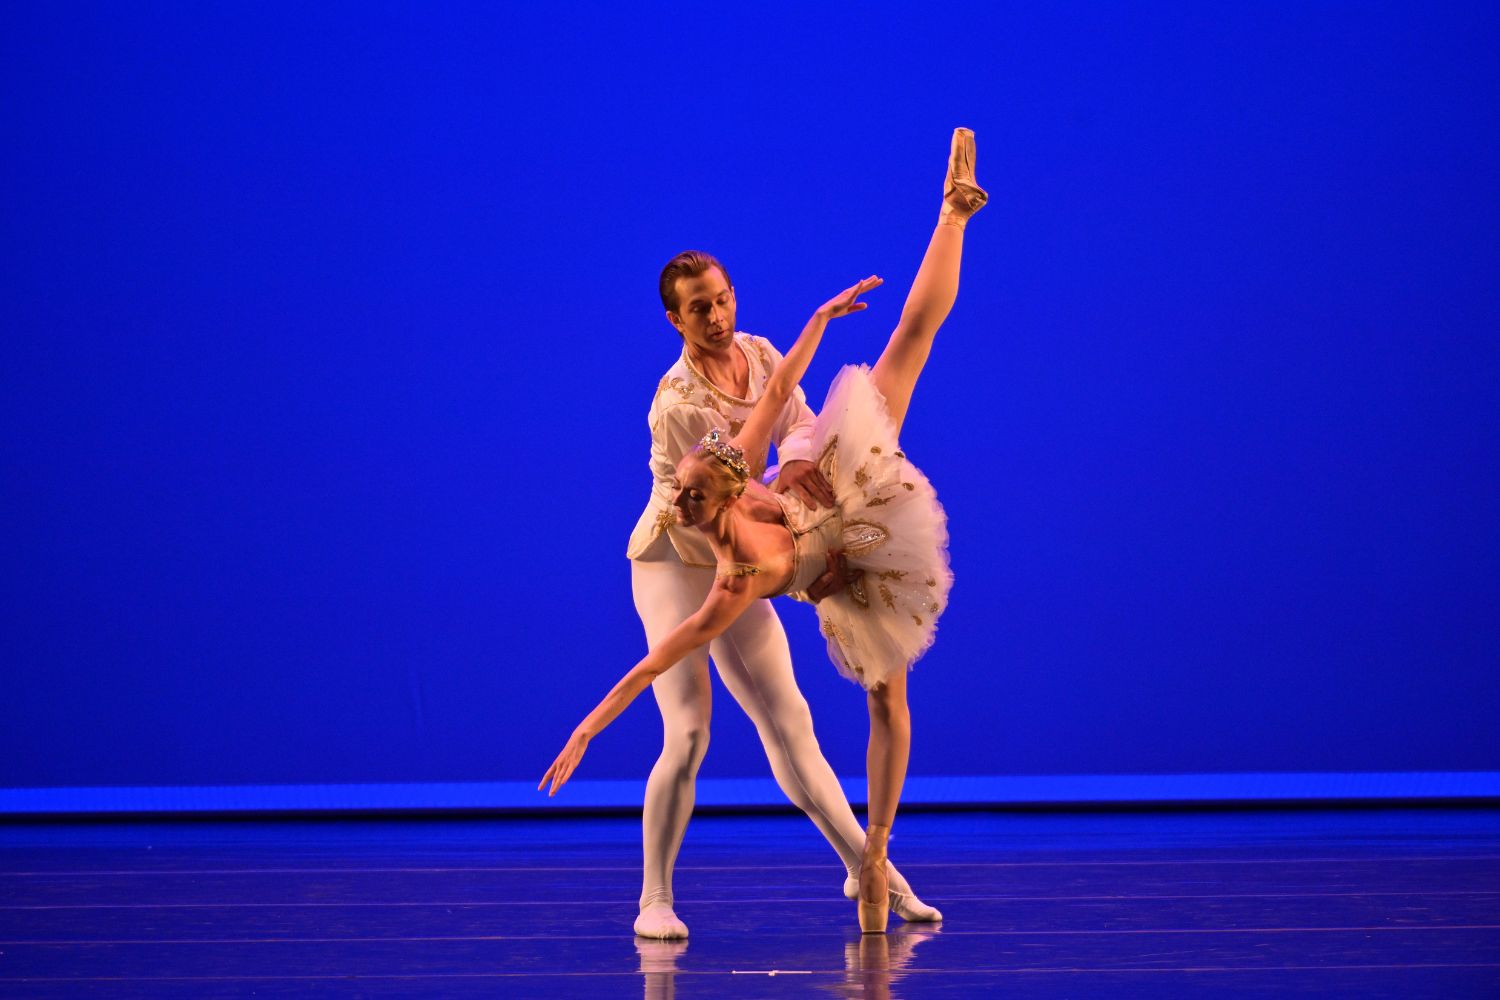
755,664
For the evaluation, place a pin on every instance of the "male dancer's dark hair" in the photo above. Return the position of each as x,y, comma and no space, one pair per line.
688,264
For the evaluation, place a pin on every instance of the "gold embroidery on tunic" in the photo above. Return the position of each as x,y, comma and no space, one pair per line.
857,592
878,502
735,426
909,487
736,569
765,360
875,449
916,619
893,574
861,476
931,582
665,519
888,597
703,379
683,386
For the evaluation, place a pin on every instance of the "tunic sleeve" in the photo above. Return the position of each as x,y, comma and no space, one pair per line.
674,432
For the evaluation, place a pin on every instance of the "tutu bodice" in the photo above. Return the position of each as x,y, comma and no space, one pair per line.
814,533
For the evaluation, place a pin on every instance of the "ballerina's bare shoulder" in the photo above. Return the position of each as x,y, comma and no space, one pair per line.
763,539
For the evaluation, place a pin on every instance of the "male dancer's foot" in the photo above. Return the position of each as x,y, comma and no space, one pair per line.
658,921
962,197
904,902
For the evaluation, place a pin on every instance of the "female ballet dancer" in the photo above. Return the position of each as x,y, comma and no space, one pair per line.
887,520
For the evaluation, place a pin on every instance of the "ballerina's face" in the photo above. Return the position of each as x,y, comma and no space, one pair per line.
697,494
705,311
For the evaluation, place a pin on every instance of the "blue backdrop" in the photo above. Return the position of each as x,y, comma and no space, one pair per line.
329,335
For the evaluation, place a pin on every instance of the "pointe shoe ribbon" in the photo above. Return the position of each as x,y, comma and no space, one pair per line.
906,905
874,904
962,196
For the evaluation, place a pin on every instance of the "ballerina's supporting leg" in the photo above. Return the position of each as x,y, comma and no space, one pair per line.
889,749
885,765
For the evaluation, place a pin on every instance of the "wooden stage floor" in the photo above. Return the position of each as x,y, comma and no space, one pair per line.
1351,903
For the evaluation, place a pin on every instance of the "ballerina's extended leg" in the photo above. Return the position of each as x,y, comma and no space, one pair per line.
935,287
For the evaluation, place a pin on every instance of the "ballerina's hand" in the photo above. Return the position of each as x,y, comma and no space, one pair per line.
845,302
562,768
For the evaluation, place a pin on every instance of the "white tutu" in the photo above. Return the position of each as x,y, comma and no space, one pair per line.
894,529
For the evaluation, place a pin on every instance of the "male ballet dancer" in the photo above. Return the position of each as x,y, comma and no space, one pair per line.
714,384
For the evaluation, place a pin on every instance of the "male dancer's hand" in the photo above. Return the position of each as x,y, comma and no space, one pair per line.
562,768
806,483
834,579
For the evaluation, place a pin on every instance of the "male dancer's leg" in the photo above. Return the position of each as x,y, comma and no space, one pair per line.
755,663
666,593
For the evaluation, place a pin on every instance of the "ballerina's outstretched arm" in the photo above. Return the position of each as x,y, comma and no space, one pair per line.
755,437
727,600
730,596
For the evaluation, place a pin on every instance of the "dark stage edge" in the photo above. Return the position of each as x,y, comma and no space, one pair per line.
1348,903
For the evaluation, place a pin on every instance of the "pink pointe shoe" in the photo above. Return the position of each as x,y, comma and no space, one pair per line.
962,197
874,882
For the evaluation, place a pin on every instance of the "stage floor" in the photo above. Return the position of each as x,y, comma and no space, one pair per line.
1353,903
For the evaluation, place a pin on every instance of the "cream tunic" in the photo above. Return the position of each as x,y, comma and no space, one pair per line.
686,407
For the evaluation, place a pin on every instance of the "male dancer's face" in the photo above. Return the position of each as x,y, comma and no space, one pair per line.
705,312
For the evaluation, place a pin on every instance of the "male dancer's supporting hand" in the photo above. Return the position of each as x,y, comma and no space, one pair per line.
802,477
834,579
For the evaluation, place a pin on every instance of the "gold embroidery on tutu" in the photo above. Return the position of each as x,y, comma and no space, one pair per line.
857,593
828,462
863,536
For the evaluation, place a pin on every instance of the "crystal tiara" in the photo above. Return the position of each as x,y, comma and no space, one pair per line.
734,458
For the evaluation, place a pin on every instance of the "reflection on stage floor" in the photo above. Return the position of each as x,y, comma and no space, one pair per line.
1399,903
